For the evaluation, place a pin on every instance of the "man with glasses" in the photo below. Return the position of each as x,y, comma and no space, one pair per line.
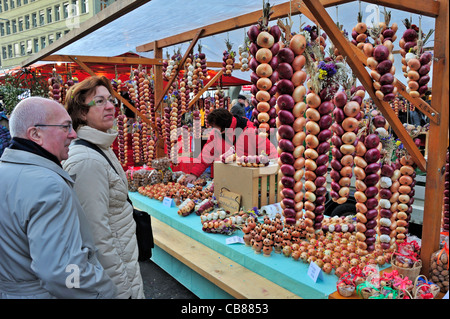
46,248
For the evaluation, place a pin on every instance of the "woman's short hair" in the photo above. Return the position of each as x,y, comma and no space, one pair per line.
76,97
220,117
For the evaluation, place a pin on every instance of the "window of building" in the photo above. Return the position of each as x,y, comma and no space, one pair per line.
57,12
1,6
16,50
19,3
2,29
27,22
20,24
34,19
49,15
25,1
8,27
4,55
43,42
65,10
5,5
11,4
14,26
51,39
58,35
41,17
29,46
36,45
74,8
22,48
84,6
10,51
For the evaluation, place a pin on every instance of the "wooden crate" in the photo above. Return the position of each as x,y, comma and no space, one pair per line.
257,186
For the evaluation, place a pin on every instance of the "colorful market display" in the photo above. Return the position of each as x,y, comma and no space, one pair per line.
336,142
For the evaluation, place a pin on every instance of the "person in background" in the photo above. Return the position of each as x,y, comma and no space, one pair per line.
248,110
102,192
5,136
46,248
238,108
228,130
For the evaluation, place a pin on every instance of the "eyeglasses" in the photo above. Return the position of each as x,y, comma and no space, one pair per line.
66,127
101,101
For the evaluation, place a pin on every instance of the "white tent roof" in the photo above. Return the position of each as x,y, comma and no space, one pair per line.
159,19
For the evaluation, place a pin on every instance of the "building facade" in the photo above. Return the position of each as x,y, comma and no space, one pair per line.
27,26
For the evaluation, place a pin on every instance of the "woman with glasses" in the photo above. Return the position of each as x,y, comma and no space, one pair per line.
102,189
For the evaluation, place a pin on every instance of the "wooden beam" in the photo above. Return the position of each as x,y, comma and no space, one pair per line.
423,106
158,92
183,59
430,8
438,140
338,39
104,60
111,13
116,95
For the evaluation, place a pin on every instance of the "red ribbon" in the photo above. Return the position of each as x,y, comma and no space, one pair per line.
440,253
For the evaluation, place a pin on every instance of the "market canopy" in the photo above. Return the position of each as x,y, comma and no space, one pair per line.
157,19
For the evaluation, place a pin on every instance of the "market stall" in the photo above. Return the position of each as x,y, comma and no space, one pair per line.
334,138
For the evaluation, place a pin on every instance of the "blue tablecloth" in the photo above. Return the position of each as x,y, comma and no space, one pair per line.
286,272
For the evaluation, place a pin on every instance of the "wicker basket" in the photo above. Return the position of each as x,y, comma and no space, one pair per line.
411,273
434,289
346,291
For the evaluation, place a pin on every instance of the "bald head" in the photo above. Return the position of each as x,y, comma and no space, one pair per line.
29,112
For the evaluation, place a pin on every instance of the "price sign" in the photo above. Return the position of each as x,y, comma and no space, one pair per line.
314,272
167,201
229,201
234,240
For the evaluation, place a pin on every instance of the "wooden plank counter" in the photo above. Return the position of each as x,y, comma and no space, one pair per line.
233,278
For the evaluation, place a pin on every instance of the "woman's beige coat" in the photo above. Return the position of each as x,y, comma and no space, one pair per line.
103,195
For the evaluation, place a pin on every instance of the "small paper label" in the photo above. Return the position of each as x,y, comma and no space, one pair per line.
167,201
234,240
314,272
189,185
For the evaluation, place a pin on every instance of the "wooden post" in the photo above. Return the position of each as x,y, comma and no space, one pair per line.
438,140
158,93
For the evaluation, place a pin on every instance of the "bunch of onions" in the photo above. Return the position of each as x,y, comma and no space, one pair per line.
290,122
244,55
406,197
121,138
54,87
389,186
417,69
346,116
228,59
144,143
359,33
200,66
183,95
382,71
207,108
159,127
445,208
388,33
197,124
173,64
219,98
264,47
166,127
407,43
319,120
367,172
136,144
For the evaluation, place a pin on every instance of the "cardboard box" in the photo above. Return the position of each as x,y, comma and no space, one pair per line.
256,185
